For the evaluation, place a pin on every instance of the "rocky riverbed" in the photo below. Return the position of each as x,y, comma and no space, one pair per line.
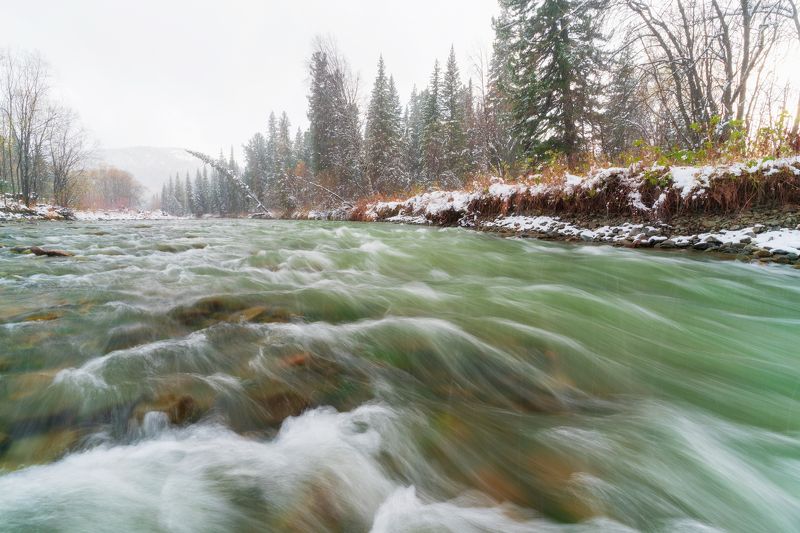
776,239
747,212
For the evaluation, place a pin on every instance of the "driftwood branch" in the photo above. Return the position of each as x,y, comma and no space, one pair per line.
344,202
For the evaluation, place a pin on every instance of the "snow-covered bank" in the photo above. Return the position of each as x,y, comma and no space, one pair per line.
750,210
780,245
18,212
651,193
122,214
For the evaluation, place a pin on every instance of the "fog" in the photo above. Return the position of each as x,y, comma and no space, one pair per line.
206,74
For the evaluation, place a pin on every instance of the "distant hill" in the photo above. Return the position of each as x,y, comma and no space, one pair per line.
150,165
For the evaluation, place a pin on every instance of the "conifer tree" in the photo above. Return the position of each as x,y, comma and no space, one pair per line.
432,134
335,129
454,141
475,161
299,146
200,201
284,164
271,184
413,129
180,195
256,165
189,195
550,51
237,200
383,135
397,172
163,198
209,202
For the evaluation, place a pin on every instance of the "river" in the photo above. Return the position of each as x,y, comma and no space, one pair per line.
312,376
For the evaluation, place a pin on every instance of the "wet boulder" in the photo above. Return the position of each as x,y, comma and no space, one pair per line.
123,337
35,250
208,311
181,409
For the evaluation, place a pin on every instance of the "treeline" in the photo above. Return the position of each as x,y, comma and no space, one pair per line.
108,187
205,193
576,82
45,155
688,78
434,140
43,150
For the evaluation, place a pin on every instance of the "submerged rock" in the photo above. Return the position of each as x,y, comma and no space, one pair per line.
124,337
180,409
207,311
36,448
35,250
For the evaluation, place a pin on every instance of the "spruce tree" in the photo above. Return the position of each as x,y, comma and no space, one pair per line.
163,199
284,164
180,194
454,141
189,195
237,201
273,171
200,201
397,171
475,154
335,128
256,165
382,136
413,129
432,134
209,202
320,114
299,147
552,62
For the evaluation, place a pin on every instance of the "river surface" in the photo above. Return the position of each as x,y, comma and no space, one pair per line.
308,376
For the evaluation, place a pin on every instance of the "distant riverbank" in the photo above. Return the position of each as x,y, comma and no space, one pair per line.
17,212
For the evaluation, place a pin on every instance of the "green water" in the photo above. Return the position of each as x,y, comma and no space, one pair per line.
270,376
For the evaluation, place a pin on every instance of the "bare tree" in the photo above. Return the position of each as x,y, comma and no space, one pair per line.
27,118
68,153
791,10
704,58
112,188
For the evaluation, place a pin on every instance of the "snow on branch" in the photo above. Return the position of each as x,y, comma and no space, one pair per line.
228,173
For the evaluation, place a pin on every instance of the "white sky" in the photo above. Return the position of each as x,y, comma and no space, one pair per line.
205,74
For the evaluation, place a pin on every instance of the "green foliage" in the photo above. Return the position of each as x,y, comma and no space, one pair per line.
773,140
718,143
657,178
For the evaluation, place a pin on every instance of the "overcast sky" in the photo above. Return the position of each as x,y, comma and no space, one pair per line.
206,74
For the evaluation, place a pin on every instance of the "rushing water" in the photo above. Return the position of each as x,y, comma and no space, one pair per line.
251,375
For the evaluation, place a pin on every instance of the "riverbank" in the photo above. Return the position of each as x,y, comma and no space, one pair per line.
734,236
18,212
748,211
